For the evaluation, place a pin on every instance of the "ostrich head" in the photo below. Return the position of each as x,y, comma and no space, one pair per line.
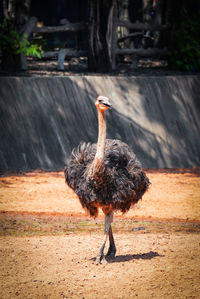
102,103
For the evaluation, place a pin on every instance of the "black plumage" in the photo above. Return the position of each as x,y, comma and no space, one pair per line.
120,183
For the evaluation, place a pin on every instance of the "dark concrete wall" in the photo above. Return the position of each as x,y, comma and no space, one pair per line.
42,119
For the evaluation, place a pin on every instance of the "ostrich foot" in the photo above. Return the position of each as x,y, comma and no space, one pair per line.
100,260
111,253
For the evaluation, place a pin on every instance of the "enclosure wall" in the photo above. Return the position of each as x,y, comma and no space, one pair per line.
42,119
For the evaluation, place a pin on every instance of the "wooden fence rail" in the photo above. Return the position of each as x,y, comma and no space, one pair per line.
141,26
70,27
142,52
62,53
149,52
31,27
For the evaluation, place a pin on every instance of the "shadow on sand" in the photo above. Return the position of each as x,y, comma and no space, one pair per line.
128,257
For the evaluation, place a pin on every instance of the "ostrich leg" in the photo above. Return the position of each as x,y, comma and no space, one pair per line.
108,220
112,248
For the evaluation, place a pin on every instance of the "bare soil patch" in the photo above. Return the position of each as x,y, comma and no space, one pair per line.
79,67
48,243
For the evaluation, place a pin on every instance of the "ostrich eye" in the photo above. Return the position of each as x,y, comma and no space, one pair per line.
100,101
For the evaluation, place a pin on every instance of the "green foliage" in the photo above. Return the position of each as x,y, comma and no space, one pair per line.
12,42
185,54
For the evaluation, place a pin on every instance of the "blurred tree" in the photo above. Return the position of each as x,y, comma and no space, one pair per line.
100,35
185,38
15,15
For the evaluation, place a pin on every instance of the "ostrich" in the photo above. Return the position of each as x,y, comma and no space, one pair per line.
105,175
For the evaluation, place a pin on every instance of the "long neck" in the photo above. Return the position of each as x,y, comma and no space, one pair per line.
96,166
101,135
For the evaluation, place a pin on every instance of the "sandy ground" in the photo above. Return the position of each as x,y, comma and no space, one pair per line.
48,244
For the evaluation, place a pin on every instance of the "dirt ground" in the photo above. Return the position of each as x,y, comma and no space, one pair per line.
79,66
48,243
